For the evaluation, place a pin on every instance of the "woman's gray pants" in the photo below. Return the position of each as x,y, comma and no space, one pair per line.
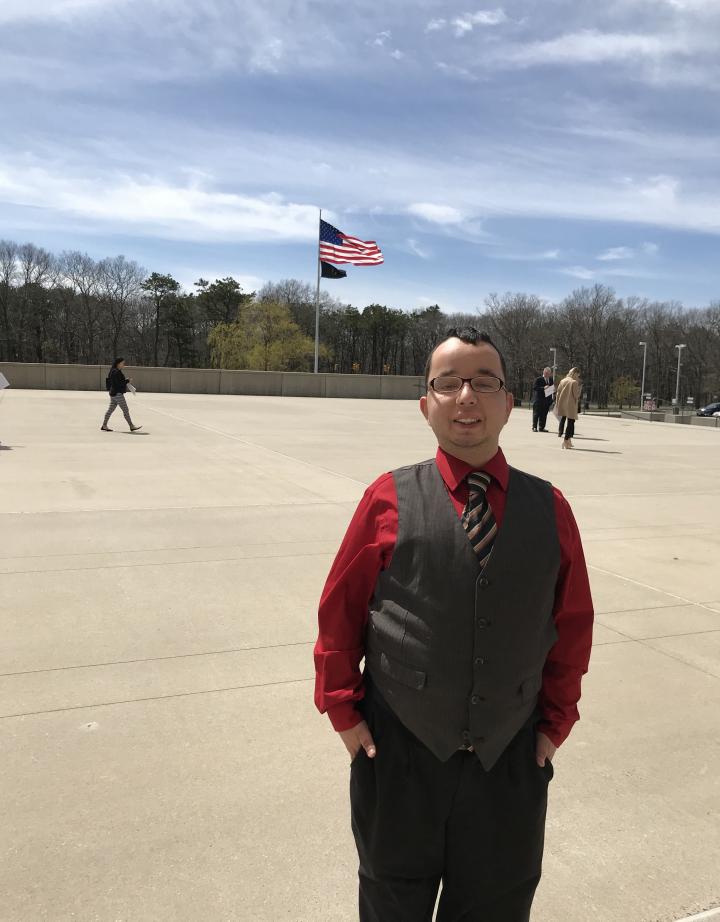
118,401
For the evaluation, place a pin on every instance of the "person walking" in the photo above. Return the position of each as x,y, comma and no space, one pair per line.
541,402
567,403
117,385
472,674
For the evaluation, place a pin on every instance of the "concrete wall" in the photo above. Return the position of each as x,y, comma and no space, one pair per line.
195,380
214,381
705,421
151,380
24,374
302,384
255,383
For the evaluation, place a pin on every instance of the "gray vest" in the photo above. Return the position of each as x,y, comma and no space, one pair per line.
458,654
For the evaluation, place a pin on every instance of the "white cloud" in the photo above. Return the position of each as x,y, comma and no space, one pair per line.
660,190
650,249
267,57
416,249
156,207
436,214
525,256
616,253
467,22
702,6
397,54
579,272
381,38
435,25
18,11
452,70
593,47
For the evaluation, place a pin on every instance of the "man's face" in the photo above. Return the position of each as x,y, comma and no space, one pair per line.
466,422
547,372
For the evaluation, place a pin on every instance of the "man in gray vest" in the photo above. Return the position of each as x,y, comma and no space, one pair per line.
462,583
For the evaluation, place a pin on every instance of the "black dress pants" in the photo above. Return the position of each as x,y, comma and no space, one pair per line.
570,430
540,413
419,822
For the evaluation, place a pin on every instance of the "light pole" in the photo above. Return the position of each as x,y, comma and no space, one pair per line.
679,347
554,364
642,388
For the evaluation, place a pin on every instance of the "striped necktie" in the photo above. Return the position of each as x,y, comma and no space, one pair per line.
478,519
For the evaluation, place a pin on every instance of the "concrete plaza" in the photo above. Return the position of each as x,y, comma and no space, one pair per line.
161,755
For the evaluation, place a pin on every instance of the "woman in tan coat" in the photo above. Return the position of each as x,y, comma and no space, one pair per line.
567,399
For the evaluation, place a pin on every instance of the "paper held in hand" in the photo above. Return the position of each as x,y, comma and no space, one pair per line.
3,381
549,390
132,389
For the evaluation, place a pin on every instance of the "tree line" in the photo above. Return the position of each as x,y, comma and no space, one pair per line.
75,309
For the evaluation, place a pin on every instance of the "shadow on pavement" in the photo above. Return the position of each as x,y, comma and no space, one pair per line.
597,451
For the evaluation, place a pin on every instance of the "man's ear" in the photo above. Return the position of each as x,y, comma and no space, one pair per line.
424,406
509,403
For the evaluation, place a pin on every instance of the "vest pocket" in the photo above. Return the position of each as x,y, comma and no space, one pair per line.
530,687
406,675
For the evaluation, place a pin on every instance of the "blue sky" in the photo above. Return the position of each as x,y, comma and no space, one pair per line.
526,147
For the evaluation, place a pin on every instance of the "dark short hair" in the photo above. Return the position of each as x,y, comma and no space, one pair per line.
467,335
117,361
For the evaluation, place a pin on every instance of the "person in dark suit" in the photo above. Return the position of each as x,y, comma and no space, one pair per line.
541,403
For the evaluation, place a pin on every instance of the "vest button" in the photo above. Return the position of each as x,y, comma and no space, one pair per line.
482,622
483,581
479,661
474,699
466,736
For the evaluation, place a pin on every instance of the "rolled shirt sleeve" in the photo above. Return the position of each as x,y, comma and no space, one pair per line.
343,611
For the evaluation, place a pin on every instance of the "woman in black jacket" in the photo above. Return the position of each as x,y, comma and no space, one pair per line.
117,386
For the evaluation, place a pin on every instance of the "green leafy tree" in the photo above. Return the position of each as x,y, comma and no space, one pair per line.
221,300
265,338
624,390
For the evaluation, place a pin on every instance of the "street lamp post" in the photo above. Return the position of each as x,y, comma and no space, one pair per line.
679,347
642,388
554,364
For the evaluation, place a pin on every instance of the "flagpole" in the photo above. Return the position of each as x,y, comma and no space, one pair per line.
317,302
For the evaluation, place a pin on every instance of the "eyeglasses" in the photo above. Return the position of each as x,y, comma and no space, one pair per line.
481,384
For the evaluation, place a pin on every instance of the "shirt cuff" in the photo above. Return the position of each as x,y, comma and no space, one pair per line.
556,734
344,716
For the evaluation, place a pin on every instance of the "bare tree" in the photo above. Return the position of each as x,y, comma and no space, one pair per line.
9,274
81,271
119,286
517,321
35,269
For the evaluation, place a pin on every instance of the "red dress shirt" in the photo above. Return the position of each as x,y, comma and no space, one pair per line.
368,548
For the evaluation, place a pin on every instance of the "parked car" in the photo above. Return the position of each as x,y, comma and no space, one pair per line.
712,409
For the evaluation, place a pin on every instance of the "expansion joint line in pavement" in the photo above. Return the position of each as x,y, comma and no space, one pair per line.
158,659
255,445
643,640
637,582
164,563
192,694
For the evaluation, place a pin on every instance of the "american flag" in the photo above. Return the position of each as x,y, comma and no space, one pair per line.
336,247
